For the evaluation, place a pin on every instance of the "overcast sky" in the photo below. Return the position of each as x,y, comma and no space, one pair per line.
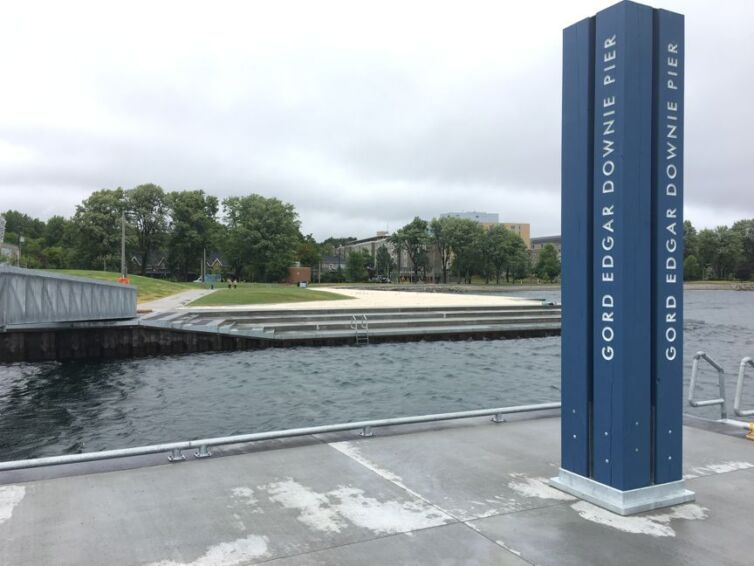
363,115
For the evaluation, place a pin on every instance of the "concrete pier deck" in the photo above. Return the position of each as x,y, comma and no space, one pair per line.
469,492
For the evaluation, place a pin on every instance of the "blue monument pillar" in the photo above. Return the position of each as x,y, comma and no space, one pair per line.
622,248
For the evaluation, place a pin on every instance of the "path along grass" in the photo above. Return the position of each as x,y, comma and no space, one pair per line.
147,288
264,294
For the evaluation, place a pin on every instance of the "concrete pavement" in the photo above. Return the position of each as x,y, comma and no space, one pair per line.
469,492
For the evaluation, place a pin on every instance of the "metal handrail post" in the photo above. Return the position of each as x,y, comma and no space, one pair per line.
720,384
740,388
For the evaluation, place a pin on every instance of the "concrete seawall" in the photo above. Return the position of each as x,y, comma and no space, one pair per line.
135,341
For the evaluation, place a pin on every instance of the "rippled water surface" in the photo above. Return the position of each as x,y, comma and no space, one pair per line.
55,408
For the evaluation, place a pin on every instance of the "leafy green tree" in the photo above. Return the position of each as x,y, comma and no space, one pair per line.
56,231
357,265
262,236
690,240
146,206
691,269
465,237
384,261
744,232
308,252
97,228
413,238
22,224
193,229
498,250
439,232
548,264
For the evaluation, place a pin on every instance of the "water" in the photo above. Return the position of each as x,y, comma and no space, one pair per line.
53,408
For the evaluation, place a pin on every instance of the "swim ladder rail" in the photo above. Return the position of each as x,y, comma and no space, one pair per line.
175,449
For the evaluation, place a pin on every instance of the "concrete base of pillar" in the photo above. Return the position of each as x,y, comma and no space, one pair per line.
623,502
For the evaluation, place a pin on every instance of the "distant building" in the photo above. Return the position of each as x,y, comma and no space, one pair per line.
488,219
404,268
538,243
521,229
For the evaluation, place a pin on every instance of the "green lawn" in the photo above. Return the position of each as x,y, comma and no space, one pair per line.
264,294
147,288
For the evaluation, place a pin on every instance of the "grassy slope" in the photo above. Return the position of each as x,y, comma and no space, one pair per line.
262,294
147,288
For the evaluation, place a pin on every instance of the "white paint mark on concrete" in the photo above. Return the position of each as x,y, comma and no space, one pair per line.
10,496
245,495
719,468
234,553
657,525
508,548
351,450
314,508
385,517
334,510
536,487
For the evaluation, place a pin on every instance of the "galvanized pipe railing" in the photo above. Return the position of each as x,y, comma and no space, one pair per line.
740,388
174,449
720,384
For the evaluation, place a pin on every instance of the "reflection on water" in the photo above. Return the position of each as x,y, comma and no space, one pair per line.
54,408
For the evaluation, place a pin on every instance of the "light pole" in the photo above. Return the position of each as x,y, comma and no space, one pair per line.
123,267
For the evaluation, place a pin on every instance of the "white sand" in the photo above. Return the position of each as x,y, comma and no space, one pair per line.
363,298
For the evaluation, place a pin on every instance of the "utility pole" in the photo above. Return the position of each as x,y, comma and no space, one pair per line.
204,264
123,268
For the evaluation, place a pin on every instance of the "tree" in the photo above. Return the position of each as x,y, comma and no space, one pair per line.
358,264
262,236
548,264
56,231
439,231
691,269
146,206
498,250
308,252
384,261
97,228
413,239
465,237
744,232
24,225
193,228
690,240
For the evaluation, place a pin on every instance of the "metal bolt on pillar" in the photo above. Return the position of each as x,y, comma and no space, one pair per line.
497,418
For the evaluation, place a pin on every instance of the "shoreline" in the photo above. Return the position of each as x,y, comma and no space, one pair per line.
483,289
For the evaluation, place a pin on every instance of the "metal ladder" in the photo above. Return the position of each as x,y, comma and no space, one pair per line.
360,326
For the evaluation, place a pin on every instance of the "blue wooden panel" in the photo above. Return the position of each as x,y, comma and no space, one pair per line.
576,221
622,246
667,292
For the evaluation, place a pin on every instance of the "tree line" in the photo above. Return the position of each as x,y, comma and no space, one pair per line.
258,237
722,253
455,246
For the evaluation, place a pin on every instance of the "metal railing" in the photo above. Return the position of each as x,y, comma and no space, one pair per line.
740,389
175,449
720,384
